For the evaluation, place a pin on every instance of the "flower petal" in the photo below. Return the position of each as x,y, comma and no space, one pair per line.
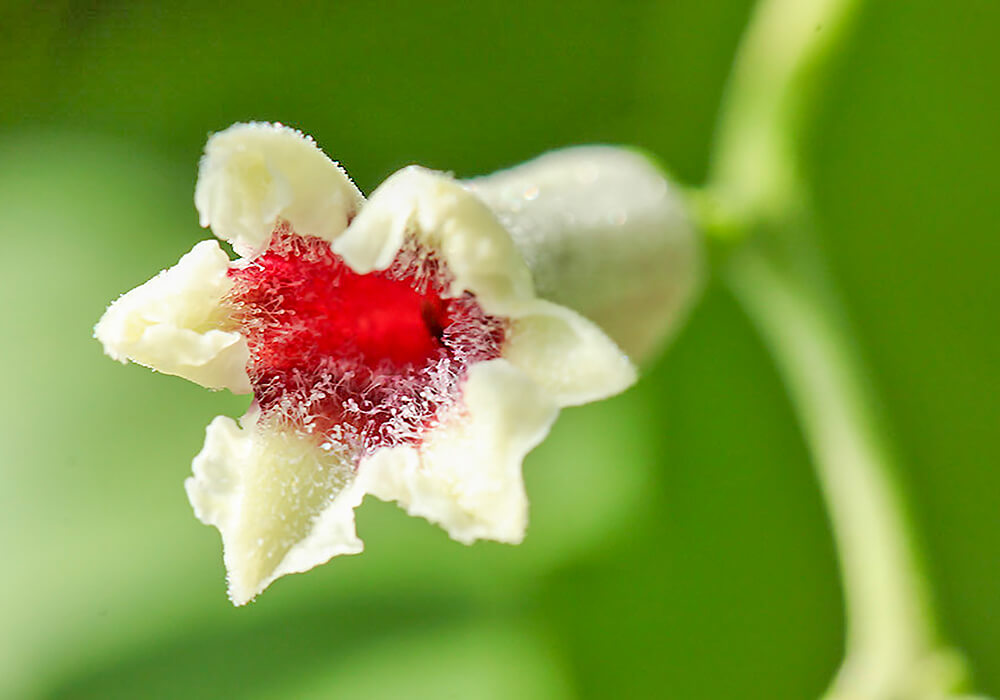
604,232
254,175
175,323
567,355
558,348
443,216
466,475
281,503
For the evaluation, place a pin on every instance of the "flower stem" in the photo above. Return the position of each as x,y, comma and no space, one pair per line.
892,643
771,90
756,190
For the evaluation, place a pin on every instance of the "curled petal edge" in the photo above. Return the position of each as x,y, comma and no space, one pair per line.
254,175
281,504
570,357
443,216
175,323
564,352
466,476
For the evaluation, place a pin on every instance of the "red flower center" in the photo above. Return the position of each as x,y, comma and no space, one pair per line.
361,361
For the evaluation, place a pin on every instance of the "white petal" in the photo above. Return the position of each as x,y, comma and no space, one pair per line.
567,355
175,323
253,175
281,504
605,233
466,475
443,216
564,352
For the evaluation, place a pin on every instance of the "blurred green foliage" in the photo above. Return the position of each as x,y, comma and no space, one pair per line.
678,545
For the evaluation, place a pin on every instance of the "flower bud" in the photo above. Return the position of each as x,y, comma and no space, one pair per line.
605,234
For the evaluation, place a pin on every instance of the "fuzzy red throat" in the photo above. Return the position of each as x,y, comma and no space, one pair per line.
360,361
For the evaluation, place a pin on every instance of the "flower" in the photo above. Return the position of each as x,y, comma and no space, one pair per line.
414,346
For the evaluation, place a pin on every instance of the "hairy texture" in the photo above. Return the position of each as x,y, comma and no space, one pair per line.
359,361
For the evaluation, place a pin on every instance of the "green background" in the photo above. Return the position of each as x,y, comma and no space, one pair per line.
678,545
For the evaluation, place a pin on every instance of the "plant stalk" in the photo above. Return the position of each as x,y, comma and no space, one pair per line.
756,192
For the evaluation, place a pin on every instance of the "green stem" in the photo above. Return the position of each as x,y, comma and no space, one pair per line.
756,188
892,643
771,91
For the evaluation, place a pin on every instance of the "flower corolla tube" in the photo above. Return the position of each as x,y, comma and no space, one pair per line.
415,345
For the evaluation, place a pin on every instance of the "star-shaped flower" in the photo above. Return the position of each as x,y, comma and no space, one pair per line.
414,346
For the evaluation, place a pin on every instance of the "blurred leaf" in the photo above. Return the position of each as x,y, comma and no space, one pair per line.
368,647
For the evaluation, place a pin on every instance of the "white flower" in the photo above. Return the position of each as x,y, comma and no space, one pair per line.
410,346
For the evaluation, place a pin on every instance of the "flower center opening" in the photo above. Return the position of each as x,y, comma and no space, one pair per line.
361,361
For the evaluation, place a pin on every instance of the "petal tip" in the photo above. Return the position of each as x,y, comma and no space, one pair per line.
175,323
281,503
254,175
466,476
567,354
